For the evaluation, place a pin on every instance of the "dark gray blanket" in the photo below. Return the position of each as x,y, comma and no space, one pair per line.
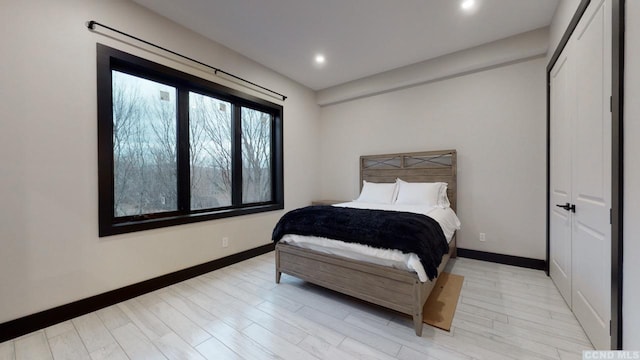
407,232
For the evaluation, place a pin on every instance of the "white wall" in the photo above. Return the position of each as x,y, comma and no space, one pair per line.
50,253
515,48
561,19
631,271
494,118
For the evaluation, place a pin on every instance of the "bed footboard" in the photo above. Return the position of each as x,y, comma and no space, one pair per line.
392,288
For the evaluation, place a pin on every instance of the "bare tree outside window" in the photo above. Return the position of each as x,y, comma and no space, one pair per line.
144,146
256,156
210,151
145,159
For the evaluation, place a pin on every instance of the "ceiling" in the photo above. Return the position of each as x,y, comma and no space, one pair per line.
358,37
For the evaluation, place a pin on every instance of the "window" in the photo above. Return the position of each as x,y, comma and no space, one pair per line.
174,148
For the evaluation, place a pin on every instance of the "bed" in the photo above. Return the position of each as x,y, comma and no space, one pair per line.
399,289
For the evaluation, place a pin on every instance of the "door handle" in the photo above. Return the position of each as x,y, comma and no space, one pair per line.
568,207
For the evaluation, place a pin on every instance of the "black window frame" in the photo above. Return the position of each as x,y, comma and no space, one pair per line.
109,59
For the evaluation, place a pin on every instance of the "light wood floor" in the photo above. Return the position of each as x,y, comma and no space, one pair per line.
239,312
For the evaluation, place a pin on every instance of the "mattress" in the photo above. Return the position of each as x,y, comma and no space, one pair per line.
446,217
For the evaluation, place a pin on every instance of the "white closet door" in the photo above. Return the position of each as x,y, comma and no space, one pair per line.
591,175
562,106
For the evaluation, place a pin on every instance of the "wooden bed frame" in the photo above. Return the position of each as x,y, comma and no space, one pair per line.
395,289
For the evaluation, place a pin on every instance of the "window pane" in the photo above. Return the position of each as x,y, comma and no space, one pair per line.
144,146
256,156
210,152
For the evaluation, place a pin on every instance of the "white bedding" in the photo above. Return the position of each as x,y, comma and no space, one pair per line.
387,257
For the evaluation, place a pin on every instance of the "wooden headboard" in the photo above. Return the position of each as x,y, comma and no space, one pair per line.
426,166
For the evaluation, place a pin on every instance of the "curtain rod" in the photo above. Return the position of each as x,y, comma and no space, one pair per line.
92,24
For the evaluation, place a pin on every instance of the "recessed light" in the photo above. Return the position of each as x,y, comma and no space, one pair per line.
320,59
467,4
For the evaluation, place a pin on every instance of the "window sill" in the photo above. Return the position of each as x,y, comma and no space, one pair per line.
148,224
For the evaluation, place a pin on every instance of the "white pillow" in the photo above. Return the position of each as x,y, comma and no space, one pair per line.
443,200
377,193
431,194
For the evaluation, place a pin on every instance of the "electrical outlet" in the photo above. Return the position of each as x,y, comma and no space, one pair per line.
225,242
483,237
